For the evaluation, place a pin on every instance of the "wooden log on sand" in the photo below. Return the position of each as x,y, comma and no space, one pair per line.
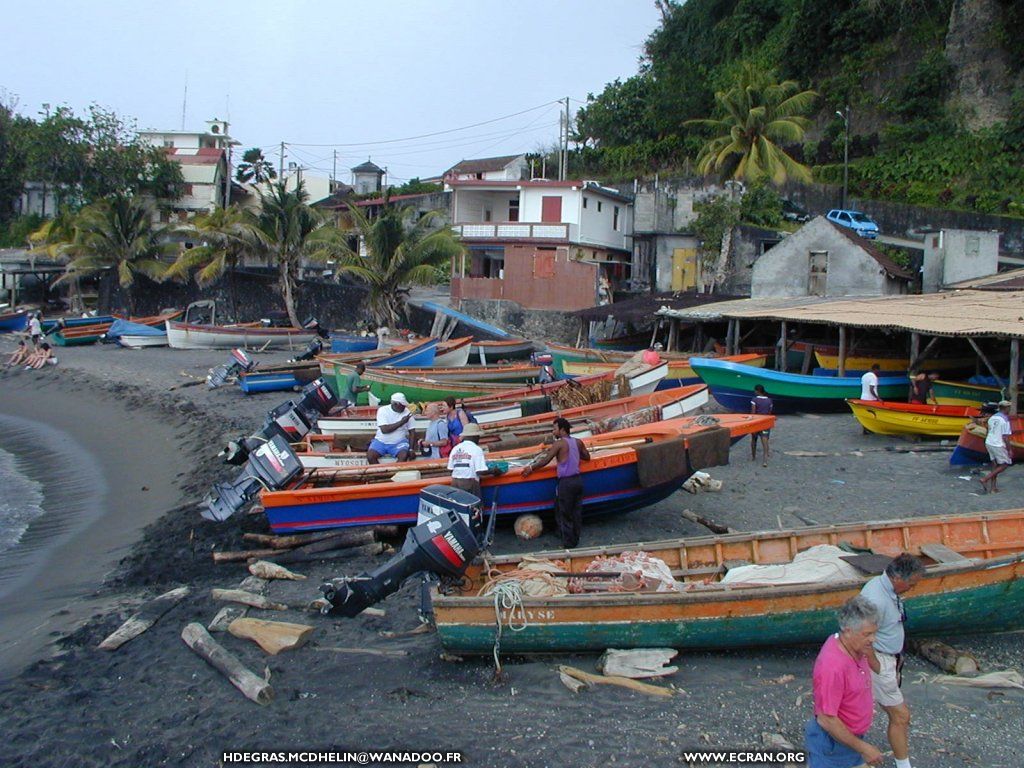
265,570
945,657
302,539
625,682
242,555
252,687
147,615
272,636
711,525
302,556
246,598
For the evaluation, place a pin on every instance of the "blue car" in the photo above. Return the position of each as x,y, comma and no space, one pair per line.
859,222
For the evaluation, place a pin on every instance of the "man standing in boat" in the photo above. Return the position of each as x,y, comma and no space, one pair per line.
569,493
351,388
394,432
998,446
886,653
843,707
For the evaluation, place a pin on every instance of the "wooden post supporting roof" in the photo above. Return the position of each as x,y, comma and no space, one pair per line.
984,359
915,362
842,351
915,348
780,354
1014,375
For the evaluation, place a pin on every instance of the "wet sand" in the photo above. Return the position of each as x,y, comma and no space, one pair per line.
155,703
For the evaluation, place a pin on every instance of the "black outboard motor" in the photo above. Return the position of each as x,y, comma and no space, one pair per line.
443,542
271,465
314,348
239,363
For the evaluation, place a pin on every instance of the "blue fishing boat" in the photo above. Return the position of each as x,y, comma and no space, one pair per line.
14,321
341,344
732,385
49,326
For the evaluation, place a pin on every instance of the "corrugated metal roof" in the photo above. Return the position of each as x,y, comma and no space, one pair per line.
952,313
483,164
1010,280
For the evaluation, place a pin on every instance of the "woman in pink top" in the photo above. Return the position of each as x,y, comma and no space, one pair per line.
843,705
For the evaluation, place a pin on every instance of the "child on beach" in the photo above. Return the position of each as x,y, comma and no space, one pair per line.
761,405
20,356
40,357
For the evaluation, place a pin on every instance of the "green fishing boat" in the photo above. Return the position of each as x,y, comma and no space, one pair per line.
419,389
962,393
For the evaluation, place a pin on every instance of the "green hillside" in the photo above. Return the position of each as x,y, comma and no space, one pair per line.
934,89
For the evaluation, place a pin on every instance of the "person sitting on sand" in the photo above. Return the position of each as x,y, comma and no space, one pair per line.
761,405
20,356
41,357
998,446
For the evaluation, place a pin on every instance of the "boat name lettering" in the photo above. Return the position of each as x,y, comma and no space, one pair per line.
530,616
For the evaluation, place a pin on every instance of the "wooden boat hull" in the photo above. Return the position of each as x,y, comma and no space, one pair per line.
80,334
138,342
680,372
611,482
474,374
507,349
361,428
732,385
12,322
970,447
887,418
77,322
963,393
341,344
864,363
278,378
982,594
453,353
192,336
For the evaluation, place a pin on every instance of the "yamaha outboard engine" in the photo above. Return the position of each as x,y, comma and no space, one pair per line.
314,348
239,363
272,465
443,542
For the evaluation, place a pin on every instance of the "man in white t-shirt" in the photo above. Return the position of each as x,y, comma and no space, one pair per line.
869,384
996,442
35,329
467,462
394,431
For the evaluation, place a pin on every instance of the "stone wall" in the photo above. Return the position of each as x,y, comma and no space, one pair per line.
540,324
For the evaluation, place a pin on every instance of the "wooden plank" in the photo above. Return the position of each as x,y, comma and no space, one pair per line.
940,553
1014,375
983,358
842,350
148,615
254,688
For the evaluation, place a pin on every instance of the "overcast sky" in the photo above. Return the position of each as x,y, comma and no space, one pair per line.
339,73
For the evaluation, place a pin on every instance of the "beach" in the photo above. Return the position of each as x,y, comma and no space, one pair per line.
146,432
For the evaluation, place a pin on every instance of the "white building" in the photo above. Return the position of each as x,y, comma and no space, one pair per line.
504,168
367,178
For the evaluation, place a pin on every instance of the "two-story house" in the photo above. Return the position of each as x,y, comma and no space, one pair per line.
504,168
555,245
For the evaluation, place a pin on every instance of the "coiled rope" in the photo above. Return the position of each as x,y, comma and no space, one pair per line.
508,596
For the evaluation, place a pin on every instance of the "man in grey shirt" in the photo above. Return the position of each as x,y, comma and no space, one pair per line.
885,657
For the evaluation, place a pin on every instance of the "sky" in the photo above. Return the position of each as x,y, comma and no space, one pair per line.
330,76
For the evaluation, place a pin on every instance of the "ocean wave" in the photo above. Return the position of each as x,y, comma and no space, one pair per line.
21,502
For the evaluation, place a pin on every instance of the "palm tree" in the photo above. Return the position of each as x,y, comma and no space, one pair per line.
399,251
291,230
255,167
760,114
225,235
118,233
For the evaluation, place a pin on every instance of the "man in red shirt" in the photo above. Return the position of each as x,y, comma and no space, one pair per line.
843,704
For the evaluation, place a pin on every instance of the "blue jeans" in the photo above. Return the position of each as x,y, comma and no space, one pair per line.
825,752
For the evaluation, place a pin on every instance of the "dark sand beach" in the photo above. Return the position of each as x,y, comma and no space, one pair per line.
155,703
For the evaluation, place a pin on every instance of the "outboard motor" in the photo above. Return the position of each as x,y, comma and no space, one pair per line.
314,348
443,542
271,465
239,363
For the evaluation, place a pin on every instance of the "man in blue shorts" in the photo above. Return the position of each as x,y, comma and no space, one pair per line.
394,431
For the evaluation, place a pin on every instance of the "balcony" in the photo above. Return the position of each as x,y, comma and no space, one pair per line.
555,232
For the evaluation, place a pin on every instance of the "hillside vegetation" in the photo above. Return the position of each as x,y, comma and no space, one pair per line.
933,87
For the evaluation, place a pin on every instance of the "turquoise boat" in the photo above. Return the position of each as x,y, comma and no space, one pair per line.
973,582
732,385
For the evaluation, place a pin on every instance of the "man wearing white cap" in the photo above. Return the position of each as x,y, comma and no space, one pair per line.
996,442
467,462
394,433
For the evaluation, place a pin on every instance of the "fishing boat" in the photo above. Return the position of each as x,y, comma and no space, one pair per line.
76,322
964,393
182,335
970,447
343,343
14,321
503,349
453,353
892,418
335,449
135,335
861,362
629,469
973,582
79,335
796,352
680,372
629,342
732,385
276,378
416,355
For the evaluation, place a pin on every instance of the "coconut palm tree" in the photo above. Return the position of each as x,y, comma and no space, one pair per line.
118,234
760,114
399,250
225,235
255,167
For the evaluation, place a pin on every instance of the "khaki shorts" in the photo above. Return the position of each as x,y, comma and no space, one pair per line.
999,454
885,686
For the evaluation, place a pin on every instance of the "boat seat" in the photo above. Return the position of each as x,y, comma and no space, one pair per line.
940,553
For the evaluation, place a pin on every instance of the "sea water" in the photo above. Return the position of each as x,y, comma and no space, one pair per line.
21,500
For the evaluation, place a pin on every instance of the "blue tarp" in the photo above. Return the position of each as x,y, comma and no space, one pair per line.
121,328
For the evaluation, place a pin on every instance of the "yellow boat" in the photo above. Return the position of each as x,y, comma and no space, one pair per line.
680,373
858,363
891,418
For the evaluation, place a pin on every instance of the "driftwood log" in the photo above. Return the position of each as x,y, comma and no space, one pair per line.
711,525
624,682
242,555
265,570
272,636
252,687
246,598
147,615
637,662
303,555
225,616
945,657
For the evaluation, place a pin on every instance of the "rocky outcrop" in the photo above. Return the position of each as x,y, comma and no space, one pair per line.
981,73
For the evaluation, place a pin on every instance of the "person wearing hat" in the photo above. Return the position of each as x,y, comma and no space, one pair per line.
467,462
394,433
997,444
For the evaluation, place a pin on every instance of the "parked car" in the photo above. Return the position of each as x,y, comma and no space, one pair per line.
859,222
793,212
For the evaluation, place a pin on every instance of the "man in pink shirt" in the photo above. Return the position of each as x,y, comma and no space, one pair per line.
843,704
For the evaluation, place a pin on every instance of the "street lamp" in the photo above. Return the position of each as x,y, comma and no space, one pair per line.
846,150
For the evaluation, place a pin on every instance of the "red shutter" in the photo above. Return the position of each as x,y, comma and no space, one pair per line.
551,209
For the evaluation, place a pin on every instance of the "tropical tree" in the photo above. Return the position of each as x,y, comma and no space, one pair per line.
117,234
759,115
291,231
255,167
399,250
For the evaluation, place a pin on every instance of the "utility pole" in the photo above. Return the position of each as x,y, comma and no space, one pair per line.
280,166
227,176
565,153
846,151
334,170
